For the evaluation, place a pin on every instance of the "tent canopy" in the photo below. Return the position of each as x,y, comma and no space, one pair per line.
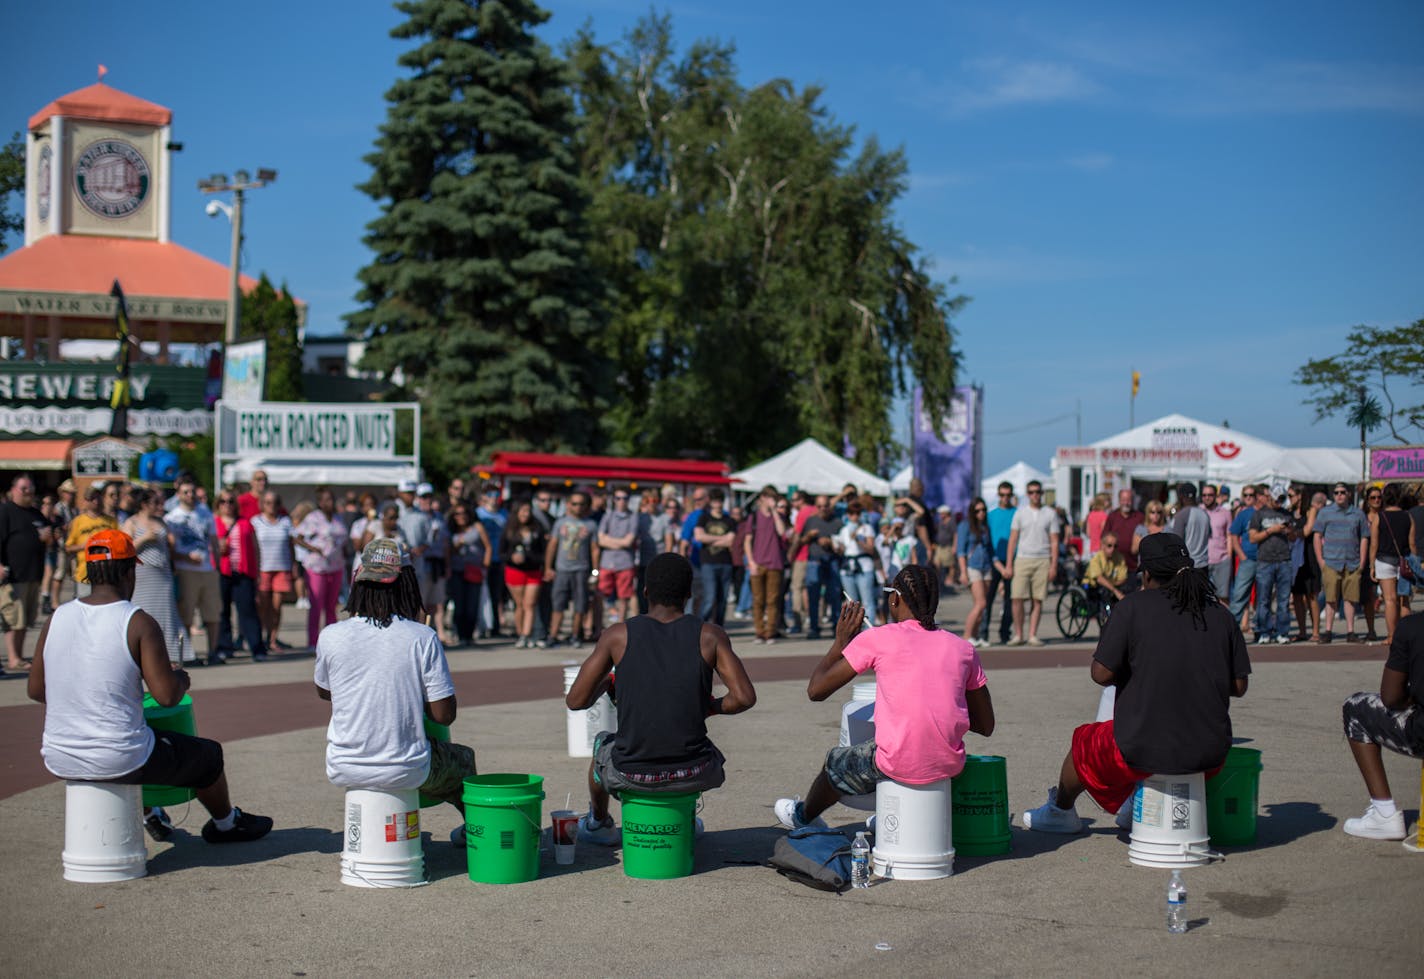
900,482
1229,454
1311,466
1020,474
809,466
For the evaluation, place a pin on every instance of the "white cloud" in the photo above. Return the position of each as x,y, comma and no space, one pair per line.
996,83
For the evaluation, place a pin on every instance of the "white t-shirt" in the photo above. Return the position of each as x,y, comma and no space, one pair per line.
380,680
1034,527
274,542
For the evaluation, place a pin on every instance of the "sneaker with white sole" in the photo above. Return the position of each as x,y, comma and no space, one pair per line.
790,814
1373,826
1048,818
604,833
1016,641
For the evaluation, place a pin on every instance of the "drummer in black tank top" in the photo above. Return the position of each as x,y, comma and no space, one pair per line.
665,661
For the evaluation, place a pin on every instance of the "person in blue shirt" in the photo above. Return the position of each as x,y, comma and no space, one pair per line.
975,549
1240,541
1001,520
688,545
493,518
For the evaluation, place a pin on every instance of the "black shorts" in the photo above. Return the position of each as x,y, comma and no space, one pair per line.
179,760
1307,580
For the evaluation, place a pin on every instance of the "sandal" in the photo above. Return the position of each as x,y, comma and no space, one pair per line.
21,667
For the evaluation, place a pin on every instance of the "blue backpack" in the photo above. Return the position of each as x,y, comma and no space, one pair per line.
818,858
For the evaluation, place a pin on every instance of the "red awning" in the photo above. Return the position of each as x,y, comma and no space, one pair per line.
534,465
35,454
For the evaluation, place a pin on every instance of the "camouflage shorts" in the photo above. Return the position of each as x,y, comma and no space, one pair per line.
1369,721
450,765
852,770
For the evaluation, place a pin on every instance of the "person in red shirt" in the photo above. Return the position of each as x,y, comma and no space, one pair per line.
1122,522
237,564
249,504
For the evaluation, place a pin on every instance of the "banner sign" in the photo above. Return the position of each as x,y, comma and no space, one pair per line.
1077,455
281,430
104,457
1403,463
101,306
244,371
948,462
72,385
96,421
1132,456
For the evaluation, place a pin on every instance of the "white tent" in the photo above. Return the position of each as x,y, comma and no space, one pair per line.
1020,474
810,466
900,482
1230,455
1311,466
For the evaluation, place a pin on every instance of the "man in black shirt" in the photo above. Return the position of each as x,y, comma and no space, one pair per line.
716,531
823,575
24,535
1393,719
664,661
1176,657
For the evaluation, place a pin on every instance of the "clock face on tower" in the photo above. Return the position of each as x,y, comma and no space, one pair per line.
111,178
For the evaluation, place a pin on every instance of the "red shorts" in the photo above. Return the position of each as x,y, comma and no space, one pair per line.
1105,775
519,578
278,581
617,584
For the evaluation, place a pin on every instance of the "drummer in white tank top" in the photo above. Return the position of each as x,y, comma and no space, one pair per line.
91,663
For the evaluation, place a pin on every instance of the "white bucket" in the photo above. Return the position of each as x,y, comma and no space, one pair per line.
913,831
382,839
584,725
858,725
1169,822
1107,703
103,832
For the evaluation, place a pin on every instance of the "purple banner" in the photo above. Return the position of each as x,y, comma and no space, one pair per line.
949,462
1406,462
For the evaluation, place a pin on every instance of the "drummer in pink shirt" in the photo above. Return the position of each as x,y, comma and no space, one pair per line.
930,690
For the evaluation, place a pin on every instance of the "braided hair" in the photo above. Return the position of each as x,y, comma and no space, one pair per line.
1169,563
380,603
111,572
919,587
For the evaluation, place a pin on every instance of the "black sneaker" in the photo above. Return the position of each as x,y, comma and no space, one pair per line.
245,828
45,607
159,826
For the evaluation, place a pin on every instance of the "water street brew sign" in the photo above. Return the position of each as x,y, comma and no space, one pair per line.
309,431
96,305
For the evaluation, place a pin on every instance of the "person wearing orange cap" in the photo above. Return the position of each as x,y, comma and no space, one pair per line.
91,663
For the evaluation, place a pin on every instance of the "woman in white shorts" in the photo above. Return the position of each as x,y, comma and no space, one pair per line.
976,563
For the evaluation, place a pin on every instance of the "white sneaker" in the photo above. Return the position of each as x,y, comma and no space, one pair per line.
788,813
1048,818
604,834
1373,826
1283,640
304,604
1016,641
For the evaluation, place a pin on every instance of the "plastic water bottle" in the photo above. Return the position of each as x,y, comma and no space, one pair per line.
860,861
1176,904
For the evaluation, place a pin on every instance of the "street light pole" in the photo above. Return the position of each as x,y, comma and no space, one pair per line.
240,183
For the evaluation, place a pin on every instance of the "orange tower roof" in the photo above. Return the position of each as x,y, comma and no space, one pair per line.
85,264
104,104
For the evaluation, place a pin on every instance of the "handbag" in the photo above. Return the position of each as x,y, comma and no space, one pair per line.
1406,571
473,574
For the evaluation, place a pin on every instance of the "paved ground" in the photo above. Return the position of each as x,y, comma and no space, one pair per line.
1305,900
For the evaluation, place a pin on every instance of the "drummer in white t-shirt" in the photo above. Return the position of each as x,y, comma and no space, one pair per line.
384,673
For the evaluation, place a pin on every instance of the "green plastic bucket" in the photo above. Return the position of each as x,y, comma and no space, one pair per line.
435,732
980,807
176,718
1231,798
502,820
657,833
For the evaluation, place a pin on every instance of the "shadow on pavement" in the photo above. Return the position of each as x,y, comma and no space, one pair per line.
1286,822
189,850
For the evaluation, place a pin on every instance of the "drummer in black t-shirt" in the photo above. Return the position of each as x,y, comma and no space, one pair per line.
1389,719
1176,657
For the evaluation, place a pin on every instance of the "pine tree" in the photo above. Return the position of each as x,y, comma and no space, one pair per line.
270,315
480,293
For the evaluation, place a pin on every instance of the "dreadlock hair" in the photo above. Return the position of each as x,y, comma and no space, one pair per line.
919,587
379,603
109,572
1189,589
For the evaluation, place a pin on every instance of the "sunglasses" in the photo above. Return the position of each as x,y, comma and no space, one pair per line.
620,496
891,591
1342,492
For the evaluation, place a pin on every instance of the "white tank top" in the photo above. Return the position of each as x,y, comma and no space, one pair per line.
94,727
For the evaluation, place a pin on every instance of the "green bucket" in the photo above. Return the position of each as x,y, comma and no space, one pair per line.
502,821
176,718
1231,798
657,833
435,732
980,807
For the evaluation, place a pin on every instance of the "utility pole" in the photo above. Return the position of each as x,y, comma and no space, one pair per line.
241,183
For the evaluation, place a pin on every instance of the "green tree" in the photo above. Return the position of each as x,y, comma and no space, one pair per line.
480,293
762,291
12,182
1378,363
272,315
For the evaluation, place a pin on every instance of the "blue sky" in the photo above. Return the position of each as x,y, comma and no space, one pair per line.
1211,193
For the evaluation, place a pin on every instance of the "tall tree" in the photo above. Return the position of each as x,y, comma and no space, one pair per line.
1380,366
763,291
12,182
480,293
271,315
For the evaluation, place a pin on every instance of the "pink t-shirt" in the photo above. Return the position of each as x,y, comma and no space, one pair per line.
1217,546
920,711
